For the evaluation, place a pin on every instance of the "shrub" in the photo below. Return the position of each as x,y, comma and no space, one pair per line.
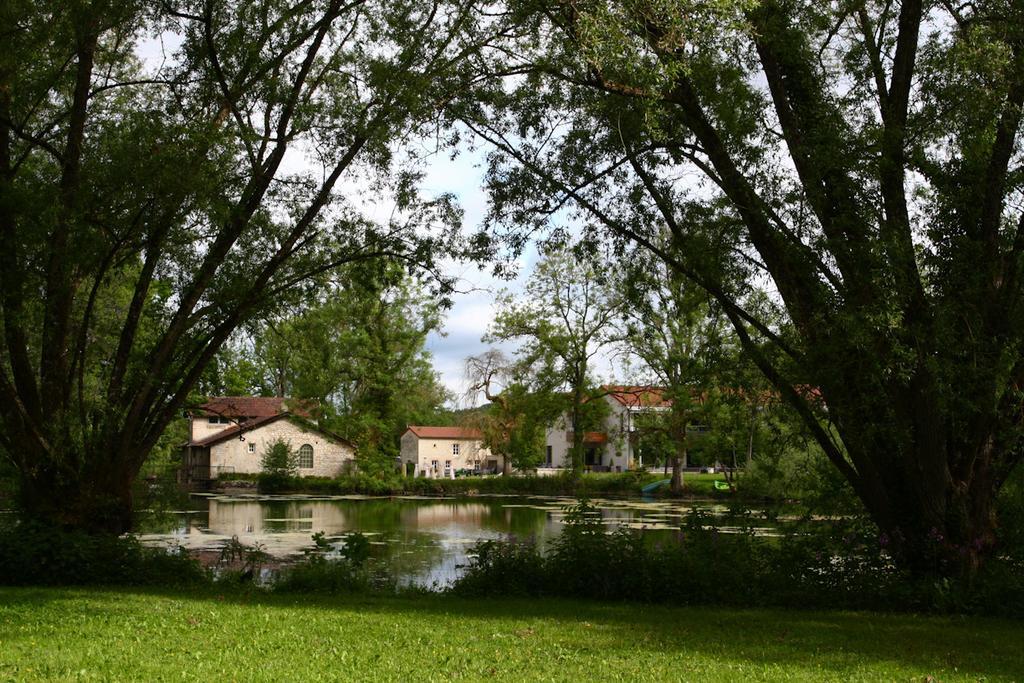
503,568
357,549
346,572
1010,511
626,483
319,574
280,464
840,565
33,554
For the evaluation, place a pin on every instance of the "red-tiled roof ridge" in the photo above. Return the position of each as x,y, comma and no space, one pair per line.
431,432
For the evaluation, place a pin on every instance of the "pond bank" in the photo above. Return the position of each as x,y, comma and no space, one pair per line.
64,634
627,484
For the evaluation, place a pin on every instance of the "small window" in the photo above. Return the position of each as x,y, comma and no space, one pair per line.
447,463
548,460
455,449
217,420
306,456
433,464
252,447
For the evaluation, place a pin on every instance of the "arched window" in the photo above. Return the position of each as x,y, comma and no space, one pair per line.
306,456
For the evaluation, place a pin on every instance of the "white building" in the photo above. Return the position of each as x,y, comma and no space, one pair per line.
613,449
229,435
443,451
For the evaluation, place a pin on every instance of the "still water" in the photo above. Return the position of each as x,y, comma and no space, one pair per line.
419,540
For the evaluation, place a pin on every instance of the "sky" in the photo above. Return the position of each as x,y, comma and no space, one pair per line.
473,304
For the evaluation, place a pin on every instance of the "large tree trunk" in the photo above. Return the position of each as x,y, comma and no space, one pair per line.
679,459
97,501
576,451
952,543
677,472
928,473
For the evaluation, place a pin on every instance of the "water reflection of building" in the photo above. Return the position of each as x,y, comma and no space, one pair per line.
243,518
448,514
334,517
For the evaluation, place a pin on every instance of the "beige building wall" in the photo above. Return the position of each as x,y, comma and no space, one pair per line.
438,457
203,429
330,458
616,453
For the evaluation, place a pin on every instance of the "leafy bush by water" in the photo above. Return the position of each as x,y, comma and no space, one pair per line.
319,573
840,565
33,554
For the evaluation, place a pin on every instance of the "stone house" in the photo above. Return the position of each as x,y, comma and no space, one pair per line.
229,435
442,451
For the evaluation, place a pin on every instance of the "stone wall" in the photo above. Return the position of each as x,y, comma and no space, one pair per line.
329,457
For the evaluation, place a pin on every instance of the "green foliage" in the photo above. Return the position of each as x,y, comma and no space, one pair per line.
1010,507
280,465
33,553
279,458
562,320
118,295
744,143
519,412
844,565
626,483
319,573
357,549
798,471
240,563
356,347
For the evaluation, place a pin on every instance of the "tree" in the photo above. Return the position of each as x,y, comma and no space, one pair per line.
279,463
564,319
515,423
279,459
680,338
358,349
146,213
866,158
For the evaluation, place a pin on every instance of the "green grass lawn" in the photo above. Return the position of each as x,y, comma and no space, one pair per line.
78,634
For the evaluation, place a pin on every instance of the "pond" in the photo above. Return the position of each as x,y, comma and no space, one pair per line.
419,540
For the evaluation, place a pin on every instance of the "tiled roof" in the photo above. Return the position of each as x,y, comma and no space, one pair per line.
254,406
639,396
425,432
236,430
